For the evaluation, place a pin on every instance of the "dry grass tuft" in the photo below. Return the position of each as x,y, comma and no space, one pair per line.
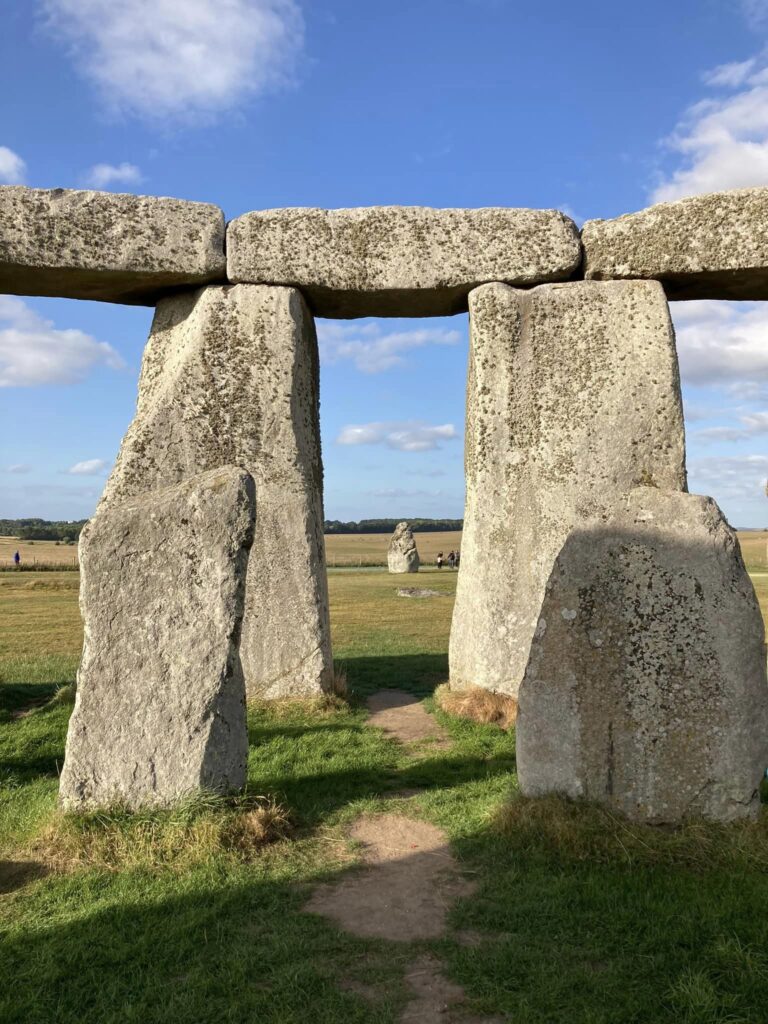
195,831
478,705
339,687
571,831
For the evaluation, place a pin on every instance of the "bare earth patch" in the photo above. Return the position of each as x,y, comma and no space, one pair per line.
403,717
435,999
407,887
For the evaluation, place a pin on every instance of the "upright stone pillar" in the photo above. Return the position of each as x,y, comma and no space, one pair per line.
573,398
230,375
160,706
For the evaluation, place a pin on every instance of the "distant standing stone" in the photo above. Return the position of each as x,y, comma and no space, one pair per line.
646,687
403,555
160,707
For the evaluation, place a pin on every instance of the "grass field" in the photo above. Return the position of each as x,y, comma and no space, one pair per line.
578,918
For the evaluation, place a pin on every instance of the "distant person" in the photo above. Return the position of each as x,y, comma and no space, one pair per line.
439,559
451,559
458,558
17,559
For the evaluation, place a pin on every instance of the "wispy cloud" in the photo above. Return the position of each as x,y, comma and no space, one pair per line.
404,436
104,175
402,492
729,477
19,468
723,343
13,170
178,59
722,141
372,349
33,351
89,467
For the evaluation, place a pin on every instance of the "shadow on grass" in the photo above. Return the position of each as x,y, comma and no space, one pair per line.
419,674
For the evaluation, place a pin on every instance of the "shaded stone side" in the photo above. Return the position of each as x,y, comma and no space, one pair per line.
573,398
403,555
105,245
399,260
160,706
646,687
702,247
230,375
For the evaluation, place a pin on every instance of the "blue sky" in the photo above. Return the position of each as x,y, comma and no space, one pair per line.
595,108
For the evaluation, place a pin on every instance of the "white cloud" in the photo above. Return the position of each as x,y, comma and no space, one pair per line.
400,492
752,425
89,467
729,477
19,467
730,75
12,168
371,350
405,436
723,343
33,351
104,175
164,59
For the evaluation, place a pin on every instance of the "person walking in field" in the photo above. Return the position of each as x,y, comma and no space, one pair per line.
458,559
440,560
17,559
451,559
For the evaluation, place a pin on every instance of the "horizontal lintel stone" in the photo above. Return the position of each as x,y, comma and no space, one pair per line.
703,247
399,260
107,246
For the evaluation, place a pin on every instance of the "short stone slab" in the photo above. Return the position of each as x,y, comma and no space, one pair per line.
105,245
703,247
399,260
646,687
160,707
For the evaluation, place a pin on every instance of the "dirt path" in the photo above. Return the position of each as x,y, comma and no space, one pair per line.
409,878
404,718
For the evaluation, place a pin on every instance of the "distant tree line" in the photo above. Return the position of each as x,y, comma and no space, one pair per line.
42,529
388,525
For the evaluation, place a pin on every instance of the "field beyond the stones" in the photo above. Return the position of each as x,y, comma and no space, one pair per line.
577,917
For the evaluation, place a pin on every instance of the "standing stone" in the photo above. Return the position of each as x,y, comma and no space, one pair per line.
403,555
399,260
230,376
646,687
160,706
107,246
702,247
573,399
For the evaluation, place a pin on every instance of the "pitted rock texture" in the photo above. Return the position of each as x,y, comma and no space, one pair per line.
703,247
160,706
573,398
646,688
403,555
105,245
399,260
230,375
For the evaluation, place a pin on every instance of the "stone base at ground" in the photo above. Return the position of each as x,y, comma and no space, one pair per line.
230,376
160,706
403,555
646,686
573,398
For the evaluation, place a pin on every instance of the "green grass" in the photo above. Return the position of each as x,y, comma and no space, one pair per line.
578,918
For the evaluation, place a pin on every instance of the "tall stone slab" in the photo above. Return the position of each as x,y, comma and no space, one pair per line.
230,375
399,260
106,245
573,398
403,555
160,706
646,686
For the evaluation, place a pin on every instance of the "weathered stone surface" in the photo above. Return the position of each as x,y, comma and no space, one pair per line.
399,260
107,246
160,707
230,375
573,398
646,687
403,555
703,247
